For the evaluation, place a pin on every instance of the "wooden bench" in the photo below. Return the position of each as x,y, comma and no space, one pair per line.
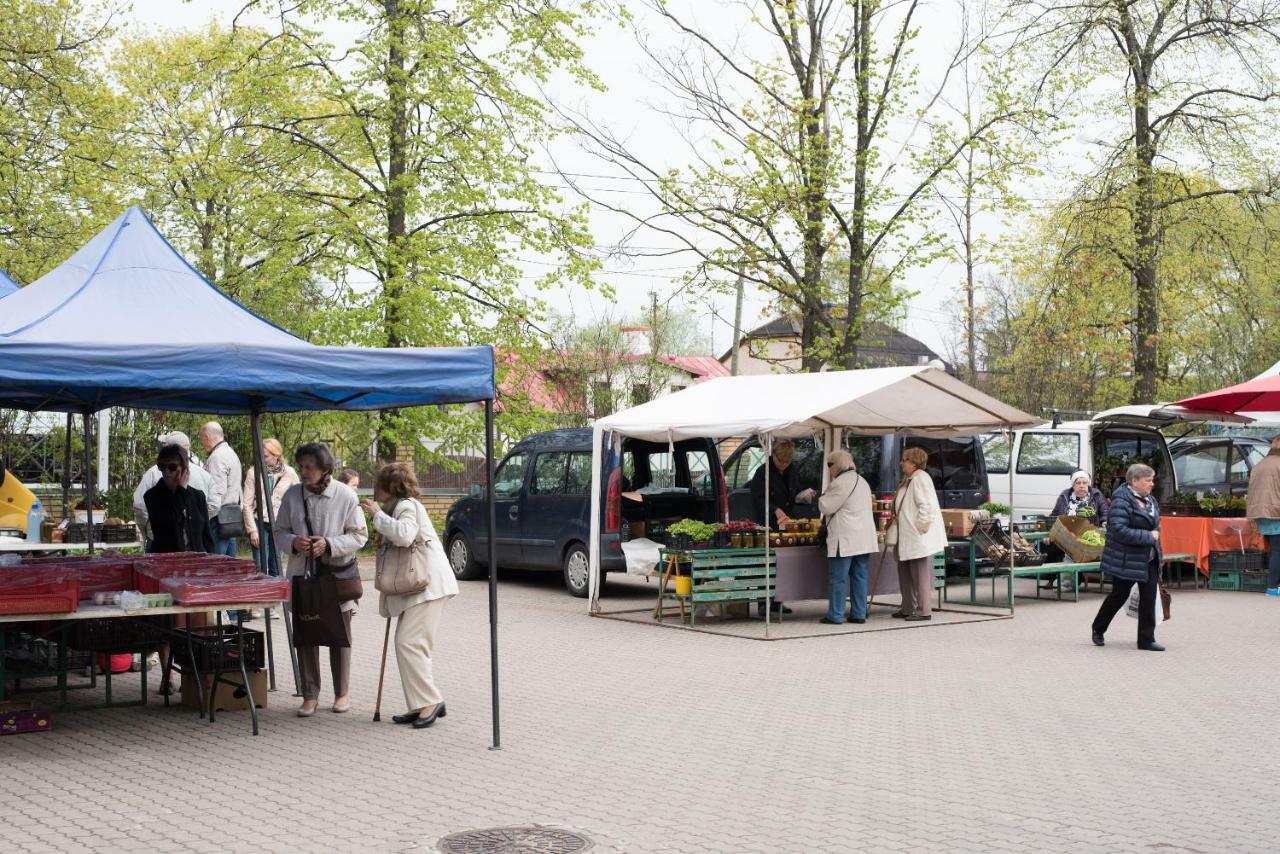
718,577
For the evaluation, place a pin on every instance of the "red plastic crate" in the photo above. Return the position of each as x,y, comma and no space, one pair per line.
222,591
148,574
97,574
38,591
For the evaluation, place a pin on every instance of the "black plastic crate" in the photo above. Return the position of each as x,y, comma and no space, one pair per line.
1253,582
1249,560
111,635
206,642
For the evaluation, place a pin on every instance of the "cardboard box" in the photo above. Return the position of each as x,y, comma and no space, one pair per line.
958,522
227,698
17,717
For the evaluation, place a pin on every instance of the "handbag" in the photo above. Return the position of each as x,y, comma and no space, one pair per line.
317,613
346,577
402,569
229,523
1166,601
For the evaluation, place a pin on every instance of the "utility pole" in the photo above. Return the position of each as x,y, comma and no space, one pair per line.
737,322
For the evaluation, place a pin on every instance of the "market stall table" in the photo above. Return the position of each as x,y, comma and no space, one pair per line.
22,546
1199,535
88,611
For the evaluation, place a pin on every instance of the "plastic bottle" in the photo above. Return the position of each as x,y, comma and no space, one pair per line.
35,516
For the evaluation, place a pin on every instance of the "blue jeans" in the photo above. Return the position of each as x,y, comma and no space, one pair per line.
1273,560
224,547
267,540
847,577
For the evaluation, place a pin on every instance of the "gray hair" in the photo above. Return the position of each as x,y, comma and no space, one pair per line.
213,430
842,460
1138,471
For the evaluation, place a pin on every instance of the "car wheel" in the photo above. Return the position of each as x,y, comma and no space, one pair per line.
577,574
462,561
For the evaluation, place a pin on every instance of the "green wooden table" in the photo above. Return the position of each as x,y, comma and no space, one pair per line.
719,576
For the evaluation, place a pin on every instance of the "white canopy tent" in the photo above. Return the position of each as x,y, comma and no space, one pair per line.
918,400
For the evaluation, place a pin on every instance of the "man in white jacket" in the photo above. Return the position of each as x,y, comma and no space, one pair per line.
225,477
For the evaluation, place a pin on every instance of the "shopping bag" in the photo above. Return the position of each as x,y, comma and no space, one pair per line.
317,613
1135,596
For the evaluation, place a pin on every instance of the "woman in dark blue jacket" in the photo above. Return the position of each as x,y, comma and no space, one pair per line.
1132,555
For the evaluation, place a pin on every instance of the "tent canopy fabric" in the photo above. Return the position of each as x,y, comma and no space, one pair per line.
7,285
919,400
126,321
1259,398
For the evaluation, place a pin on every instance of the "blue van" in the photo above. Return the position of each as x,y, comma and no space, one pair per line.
541,489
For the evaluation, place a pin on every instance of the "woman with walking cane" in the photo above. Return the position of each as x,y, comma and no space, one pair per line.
415,581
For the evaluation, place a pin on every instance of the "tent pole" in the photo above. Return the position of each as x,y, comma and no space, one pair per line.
66,468
267,558
492,512
88,474
768,526
1009,433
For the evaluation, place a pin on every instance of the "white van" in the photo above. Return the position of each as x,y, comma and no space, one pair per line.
1045,457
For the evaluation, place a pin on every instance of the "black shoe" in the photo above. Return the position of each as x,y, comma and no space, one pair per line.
916,618
407,718
1151,647
1098,639
856,620
779,608
423,723
899,615
830,622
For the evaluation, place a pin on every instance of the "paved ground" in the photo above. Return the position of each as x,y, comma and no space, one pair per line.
1012,735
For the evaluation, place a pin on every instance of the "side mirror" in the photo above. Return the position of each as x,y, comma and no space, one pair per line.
477,490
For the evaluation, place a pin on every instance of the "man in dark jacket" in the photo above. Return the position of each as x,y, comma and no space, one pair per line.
1132,556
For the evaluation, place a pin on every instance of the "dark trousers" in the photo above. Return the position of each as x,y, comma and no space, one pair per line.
1119,598
1273,560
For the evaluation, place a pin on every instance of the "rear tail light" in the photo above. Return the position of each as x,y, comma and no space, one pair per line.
613,503
724,495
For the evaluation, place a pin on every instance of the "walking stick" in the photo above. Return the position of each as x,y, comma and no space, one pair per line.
377,707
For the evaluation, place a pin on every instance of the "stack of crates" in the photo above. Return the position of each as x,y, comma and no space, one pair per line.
1244,571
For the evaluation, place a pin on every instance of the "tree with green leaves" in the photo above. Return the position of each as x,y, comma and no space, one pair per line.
1193,89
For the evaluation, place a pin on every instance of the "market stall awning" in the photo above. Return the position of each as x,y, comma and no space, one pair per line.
919,400
126,321
7,285
1259,398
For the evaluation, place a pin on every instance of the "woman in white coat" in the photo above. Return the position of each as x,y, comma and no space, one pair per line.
917,534
401,519
851,537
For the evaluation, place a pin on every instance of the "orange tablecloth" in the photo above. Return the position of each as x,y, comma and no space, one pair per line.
1198,535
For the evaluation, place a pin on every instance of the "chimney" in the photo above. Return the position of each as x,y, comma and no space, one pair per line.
637,340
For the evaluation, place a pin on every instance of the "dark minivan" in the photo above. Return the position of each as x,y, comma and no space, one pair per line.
541,489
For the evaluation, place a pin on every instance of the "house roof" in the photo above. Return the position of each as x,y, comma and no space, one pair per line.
881,346
701,368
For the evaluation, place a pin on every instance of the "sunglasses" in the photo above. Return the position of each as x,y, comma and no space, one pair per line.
168,467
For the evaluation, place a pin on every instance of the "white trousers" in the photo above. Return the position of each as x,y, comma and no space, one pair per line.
415,643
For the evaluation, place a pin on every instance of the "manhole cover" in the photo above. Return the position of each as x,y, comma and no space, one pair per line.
515,840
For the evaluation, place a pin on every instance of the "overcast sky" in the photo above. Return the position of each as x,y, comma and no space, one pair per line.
630,107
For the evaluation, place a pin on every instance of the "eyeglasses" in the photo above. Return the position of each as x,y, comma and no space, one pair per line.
168,467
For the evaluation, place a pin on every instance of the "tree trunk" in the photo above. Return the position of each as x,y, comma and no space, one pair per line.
857,228
397,192
971,336
1146,286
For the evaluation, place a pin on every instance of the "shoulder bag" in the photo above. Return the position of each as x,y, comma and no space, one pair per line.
229,523
822,529
403,570
346,576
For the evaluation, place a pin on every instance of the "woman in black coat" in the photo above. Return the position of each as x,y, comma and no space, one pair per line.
179,513
1132,555
1080,494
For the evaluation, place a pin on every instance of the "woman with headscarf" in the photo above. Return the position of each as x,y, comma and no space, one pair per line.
320,521
1081,494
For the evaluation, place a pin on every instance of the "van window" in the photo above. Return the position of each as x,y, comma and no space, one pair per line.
578,476
739,474
995,448
1049,453
699,468
1203,467
866,452
548,474
953,463
1239,465
510,477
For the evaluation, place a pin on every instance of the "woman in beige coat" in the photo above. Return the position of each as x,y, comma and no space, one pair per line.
400,519
851,536
917,534
280,476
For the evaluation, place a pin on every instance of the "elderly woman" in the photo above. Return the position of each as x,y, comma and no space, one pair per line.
784,491
1081,495
280,476
320,521
917,533
851,536
1132,555
401,521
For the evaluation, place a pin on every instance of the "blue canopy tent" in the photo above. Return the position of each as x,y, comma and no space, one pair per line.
7,285
126,321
